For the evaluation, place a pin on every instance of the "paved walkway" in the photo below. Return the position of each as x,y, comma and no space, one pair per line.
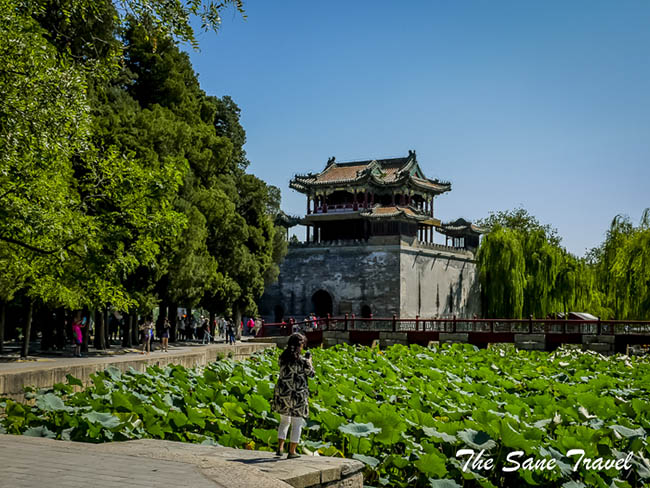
29,462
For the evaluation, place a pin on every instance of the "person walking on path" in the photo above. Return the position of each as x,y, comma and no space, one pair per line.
250,325
167,327
291,394
230,332
77,336
147,331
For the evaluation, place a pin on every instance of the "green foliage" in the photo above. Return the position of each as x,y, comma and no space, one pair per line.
121,181
382,408
524,271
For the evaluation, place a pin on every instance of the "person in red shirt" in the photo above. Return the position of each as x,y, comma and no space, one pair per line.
77,336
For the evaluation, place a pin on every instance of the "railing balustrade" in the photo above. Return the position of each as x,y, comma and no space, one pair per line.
455,324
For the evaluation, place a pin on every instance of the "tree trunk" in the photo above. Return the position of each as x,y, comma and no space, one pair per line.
107,331
173,322
213,331
3,306
188,325
133,325
28,327
126,331
237,319
100,332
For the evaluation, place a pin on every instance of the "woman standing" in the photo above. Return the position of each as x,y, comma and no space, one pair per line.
147,332
167,326
77,336
291,395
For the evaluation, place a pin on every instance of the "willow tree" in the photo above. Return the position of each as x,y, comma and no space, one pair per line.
631,272
547,277
502,273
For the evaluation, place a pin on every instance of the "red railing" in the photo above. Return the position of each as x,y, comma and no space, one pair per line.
455,324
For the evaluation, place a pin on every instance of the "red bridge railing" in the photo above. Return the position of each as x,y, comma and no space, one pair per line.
455,324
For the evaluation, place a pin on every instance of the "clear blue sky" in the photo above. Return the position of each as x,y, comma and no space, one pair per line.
540,104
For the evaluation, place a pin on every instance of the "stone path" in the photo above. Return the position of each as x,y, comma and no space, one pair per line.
29,462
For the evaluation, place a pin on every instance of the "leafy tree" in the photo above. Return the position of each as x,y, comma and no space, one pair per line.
502,273
79,214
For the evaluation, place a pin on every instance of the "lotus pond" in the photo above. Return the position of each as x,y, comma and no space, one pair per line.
404,412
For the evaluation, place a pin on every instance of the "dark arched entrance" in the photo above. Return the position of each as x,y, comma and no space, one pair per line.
279,313
366,313
322,303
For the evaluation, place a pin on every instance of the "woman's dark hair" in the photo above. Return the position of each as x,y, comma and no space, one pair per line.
292,352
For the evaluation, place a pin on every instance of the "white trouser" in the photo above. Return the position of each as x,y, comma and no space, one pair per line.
296,428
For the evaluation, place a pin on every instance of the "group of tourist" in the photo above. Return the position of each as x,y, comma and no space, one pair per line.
188,329
308,324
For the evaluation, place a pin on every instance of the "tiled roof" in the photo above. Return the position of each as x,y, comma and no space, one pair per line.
375,171
461,226
342,172
392,211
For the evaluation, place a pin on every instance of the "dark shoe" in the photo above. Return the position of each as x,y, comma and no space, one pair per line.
293,456
278,452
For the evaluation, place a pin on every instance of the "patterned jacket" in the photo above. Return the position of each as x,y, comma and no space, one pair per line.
291,395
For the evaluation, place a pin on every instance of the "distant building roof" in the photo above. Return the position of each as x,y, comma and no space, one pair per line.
396,172
459,228
284,220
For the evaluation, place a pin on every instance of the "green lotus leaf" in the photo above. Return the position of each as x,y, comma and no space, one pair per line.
233,438
574,484
431,432
359,430
178,418
49,402
477,440
72,381
432,464
234,412
315,445
114,373
196,417
120,400
399,461
627,432
267,436
40,431
368,460
330,420
513,439
258,403
106,420
433,483
390,423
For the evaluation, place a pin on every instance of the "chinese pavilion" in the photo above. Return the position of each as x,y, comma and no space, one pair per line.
369,247
361,199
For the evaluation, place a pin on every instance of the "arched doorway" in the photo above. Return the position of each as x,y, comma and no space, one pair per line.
279,313
322,303
365,312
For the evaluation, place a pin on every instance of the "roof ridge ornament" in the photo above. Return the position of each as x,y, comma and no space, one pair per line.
331,161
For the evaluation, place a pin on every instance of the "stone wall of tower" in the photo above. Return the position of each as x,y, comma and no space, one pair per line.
354,274
436,281
390,275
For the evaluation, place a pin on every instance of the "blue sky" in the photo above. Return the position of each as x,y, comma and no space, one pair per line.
540,104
